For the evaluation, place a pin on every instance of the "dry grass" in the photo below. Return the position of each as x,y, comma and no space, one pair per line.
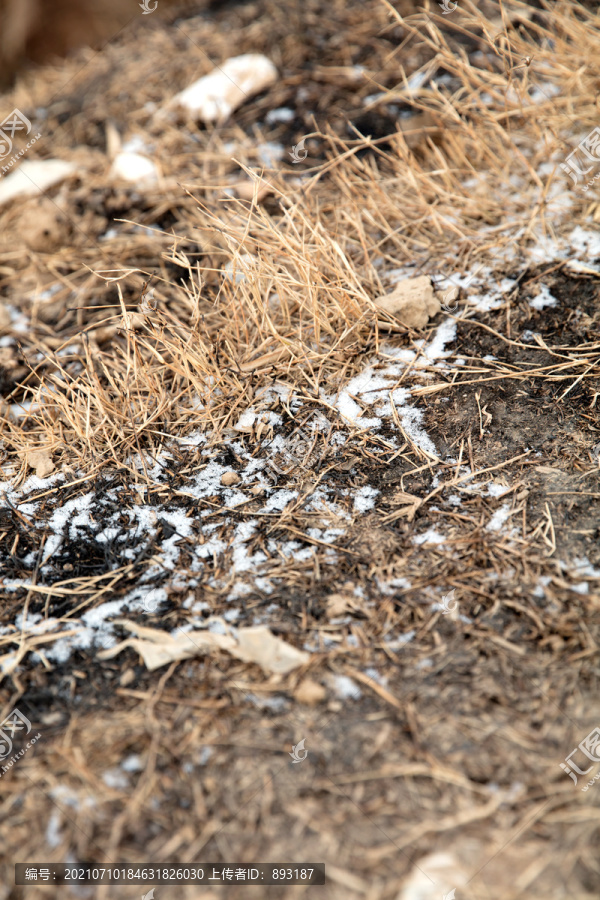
315,246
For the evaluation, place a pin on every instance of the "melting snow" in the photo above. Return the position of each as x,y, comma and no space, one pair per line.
543,299
586,242
499,518
364,499
346,688
431,536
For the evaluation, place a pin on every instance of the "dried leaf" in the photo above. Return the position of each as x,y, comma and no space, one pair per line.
337,605
158,648
408,504
252,189
272,654
413,302
41,461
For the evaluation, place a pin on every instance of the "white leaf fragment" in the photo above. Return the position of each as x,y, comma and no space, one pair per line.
33,177
256,645
215,96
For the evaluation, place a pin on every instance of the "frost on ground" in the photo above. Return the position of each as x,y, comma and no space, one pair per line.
287,493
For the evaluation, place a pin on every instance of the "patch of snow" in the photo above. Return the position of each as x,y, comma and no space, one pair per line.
242,562
282,115
581,587
431,536
132,763
543,299
445,334
277,704
538,93
270,153
499,518
530,336
279,500
411,418
345,688
364,499
53,835
396,643
204,756
376,676
543,582
583,568
496,489
584,241
116,779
